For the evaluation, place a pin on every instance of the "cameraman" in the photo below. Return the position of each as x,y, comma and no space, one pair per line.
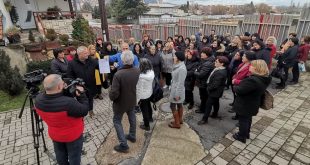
64,118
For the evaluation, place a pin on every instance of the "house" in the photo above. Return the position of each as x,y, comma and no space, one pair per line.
26,8
161,13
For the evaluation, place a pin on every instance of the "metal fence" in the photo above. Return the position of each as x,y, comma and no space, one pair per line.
275,25
303,27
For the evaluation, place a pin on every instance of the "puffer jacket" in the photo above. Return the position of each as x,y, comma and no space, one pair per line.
144,85
203,71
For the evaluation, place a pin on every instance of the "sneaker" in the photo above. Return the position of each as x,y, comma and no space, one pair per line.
280,87
132,140
202,122
145,128
123,149
237,137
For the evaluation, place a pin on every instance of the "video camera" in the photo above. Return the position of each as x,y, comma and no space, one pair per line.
70,89
34,79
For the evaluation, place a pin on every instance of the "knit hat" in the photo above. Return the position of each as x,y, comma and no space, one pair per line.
180,55
250,55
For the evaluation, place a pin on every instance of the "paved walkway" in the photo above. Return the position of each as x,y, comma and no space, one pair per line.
278,136
17,143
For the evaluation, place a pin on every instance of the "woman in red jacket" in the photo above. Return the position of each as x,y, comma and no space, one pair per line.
271,43
242,72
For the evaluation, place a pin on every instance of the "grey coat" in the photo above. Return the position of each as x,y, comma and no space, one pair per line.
167,61
123,90
178,80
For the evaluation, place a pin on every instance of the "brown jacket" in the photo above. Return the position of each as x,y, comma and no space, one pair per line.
123,90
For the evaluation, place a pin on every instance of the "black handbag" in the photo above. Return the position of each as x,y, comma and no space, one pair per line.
277,72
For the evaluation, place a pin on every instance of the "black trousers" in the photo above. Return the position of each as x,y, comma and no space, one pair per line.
189,97
244,126
146,109
284,78
211,102
295,72
203,98
168,78
98,89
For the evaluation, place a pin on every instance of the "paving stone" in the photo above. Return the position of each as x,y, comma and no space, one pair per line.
233,163
200,163
258,143
296,162
302,158
219,147
263,157
233,150
269,151
278,140
219,161
279,160
253,148
239,144
289,148
214,152
227,156
226,142
285,155
207,159
257,162
248,154
242,160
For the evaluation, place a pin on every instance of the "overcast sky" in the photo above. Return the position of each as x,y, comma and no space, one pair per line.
237,2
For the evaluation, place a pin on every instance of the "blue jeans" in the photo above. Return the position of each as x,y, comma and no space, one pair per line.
117,121
69,153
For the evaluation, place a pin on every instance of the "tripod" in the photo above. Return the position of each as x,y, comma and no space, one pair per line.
36,121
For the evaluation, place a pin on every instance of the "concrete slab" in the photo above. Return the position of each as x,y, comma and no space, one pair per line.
173,146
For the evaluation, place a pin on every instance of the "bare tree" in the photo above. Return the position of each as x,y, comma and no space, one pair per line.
263,8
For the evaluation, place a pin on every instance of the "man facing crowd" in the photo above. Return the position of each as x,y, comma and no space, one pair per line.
64,118
123,95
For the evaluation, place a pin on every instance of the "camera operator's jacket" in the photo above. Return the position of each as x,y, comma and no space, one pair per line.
63,115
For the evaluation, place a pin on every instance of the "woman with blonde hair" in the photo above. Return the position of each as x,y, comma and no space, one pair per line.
99,77
249,94
271,43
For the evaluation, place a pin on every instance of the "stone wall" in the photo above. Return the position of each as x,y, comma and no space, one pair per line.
60,26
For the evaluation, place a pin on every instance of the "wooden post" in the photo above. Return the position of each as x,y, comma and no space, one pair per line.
104,21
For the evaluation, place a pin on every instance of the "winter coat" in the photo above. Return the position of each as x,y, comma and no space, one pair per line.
59,67
290,56
231,51
177,84
144,85
218,51
167,61
217,82
156,63
123,89
242,72
203,71
191,66
303,52
202,45
249,94
273,51
263,54
86,71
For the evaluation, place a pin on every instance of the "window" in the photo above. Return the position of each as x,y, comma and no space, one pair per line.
29,15
27,2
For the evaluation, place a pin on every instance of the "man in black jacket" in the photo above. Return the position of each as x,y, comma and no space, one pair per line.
84,67
64,118
287,60
202,74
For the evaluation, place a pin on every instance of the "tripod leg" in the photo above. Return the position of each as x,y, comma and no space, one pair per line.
41,129
34,131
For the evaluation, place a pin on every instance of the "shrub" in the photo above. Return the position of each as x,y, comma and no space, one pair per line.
44,65
64,38
51,34
81,31
30,36
11,80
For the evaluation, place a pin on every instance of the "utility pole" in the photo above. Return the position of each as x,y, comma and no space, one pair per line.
104,21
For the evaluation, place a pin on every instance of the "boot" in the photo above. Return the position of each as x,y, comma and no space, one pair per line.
180,111
176,123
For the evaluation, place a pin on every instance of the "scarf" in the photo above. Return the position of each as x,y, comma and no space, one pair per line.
214,70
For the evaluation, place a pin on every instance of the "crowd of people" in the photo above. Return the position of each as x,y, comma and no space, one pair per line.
211,62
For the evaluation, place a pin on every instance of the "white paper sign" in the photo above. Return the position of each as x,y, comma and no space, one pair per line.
104,66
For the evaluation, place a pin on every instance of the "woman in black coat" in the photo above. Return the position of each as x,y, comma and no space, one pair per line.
261,51
215,87
249,97
191,63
